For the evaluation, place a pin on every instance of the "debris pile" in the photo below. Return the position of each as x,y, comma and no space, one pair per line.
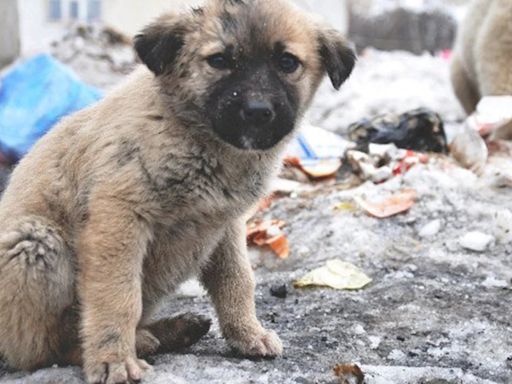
101,55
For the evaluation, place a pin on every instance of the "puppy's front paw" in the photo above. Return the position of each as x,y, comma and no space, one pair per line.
121,372
262,343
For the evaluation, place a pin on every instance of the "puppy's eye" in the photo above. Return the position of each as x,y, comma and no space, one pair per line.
288,63
218,61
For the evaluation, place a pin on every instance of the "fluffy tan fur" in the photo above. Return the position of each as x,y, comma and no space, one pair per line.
121,202
482,63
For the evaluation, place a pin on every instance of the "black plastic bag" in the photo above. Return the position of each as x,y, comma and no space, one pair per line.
420,130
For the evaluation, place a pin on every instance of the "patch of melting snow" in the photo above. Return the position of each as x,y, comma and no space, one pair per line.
408,375
476,241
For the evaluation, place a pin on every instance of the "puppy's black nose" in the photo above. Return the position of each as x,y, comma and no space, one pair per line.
258,112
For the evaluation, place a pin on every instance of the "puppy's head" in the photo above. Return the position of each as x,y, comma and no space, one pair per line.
244,69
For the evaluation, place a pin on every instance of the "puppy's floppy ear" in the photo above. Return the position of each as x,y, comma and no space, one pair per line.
159,44
337,57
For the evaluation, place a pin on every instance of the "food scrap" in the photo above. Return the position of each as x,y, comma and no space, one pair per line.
315,169
335,274
269,233
349,374
398,203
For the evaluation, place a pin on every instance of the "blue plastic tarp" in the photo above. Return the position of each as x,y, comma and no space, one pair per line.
34,96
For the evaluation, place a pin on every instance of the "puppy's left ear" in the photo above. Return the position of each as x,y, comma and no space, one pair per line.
337,57
159,45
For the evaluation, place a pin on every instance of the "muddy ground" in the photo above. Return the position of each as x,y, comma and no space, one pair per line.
435,312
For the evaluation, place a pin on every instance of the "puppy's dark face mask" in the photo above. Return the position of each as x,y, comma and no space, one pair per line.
244,69
253,105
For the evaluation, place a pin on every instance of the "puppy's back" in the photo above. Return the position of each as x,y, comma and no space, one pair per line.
51,179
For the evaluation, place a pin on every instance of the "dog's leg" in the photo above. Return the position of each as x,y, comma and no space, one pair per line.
36,286
171,334
111,252
464,87
229,280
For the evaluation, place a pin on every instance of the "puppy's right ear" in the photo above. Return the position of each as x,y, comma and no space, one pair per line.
337,56
159,44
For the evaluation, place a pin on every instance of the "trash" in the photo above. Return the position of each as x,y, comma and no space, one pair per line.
431,229
365,166
315,143
470,150
316,153
419,130
409,160
390,206
269,233
383,161
279,291
349,374
34,96
102,55
383,151
476,241
315,169
346,206
491,115
335,274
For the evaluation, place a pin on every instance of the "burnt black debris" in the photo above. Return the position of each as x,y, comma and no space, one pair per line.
420,130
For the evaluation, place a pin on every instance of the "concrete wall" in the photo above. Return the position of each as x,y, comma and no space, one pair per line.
9,32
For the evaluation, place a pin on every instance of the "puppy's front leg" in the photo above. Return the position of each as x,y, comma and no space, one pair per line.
229,279
111,251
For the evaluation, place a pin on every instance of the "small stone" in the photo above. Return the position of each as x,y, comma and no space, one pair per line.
476,241
279,291
374,341
431,229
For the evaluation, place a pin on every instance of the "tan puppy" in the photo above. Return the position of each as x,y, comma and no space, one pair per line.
120,203
482,63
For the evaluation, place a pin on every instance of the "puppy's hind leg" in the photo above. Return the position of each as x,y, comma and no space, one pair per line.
36,287
171,334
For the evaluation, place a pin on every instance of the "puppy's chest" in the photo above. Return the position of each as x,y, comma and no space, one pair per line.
179,251
209,188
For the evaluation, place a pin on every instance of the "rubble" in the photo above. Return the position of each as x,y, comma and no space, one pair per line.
100,54
419,130
430,230
476,241
391,25
439,310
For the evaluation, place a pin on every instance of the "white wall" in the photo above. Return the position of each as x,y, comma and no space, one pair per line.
333,11
9,32
35,29
130,16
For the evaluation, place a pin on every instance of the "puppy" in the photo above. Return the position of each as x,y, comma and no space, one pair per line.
122,202
483,55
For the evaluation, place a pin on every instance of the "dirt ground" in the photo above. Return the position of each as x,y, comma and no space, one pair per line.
435,312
